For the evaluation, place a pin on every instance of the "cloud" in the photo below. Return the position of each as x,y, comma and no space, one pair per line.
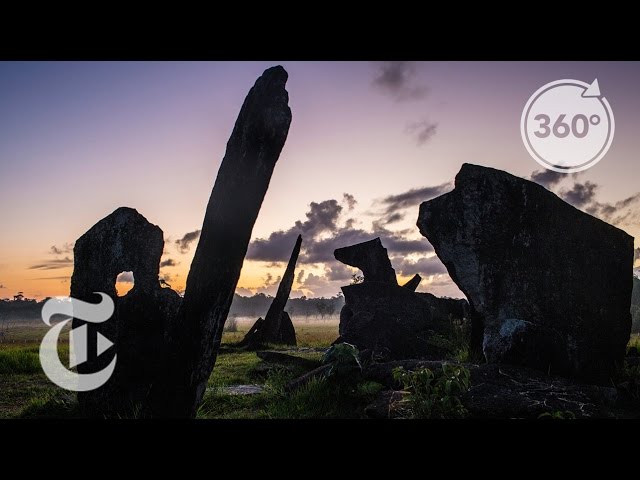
2,286
636,257
323,232
244,292
398,80
581,194
169,262
412,198
64,277
300,277
424,266
52,264
66,248
621,213
422,131
350,200
339,272
125,277
184,244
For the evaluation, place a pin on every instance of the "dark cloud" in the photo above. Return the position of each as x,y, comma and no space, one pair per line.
52,264
169,262
300,276
619,213
125,277
323,232
339,272
398,79
184,244
636,255
2,286
581,194
350,200
424,266
422,131
413,197
66,248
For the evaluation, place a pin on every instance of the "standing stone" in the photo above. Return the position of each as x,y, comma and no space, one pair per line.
551,284
243,178
276,326
392,321
123,241
370,257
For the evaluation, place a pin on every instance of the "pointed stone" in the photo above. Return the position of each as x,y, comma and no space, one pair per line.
413,283
277,326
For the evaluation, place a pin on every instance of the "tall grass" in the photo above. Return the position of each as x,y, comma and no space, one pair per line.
17,361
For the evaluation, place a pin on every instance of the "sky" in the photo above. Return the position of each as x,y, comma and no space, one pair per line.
369,141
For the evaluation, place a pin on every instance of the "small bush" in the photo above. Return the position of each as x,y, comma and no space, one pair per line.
557,415
435,395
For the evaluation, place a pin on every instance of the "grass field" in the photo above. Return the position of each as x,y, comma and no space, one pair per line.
26,392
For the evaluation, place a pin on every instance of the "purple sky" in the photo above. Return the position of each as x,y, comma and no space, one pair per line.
79,139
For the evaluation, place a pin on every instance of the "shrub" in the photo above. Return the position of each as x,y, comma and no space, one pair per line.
435,395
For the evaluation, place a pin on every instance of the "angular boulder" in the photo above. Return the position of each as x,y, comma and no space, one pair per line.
551,284
370,257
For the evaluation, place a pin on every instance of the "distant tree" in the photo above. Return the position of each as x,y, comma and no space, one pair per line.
18,297
356,279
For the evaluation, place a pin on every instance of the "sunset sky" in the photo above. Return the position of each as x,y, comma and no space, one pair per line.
368,142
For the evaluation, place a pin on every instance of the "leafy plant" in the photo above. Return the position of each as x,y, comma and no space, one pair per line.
557,415
435,395
342,357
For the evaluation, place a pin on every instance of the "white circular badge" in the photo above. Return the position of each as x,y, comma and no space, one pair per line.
567,125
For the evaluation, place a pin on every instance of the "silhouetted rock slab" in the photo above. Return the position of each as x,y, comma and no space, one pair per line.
124,241
413,283
243,178
370,257
277,326
396,323
551,283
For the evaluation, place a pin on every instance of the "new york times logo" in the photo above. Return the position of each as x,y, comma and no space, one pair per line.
49,358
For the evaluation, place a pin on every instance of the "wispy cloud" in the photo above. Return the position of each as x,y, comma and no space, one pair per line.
422,131
184,244
52,264
169,262
66,248
399,81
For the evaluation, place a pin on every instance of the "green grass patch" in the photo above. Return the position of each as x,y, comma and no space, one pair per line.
16,361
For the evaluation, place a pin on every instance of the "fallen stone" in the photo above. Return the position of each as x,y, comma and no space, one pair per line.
370,257
551,285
